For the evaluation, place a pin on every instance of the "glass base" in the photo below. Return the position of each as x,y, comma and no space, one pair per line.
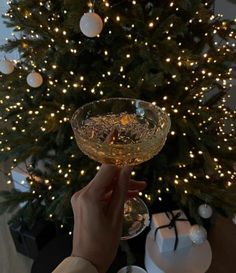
136,218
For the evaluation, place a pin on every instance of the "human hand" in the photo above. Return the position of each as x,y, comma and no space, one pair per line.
98,214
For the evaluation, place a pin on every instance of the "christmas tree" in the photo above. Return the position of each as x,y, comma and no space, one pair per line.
176,54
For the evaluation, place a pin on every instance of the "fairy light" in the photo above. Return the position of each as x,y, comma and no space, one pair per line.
151,24
133,173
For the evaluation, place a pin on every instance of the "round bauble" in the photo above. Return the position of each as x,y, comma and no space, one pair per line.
198,234
205,211
91,24
34,79
6,67
132,268
234,219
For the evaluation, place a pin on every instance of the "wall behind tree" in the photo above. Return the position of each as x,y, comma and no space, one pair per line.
225,7
228,9
5,32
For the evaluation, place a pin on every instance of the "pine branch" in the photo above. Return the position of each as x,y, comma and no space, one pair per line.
10,200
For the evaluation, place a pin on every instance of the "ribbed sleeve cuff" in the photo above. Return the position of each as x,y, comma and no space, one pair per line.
75,265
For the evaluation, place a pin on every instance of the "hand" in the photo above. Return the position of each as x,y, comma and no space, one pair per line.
98,215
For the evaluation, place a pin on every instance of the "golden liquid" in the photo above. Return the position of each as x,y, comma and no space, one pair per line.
123,139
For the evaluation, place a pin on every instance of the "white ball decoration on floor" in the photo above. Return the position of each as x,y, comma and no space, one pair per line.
34,79
198,234
205,211
6,67
234,219
91,24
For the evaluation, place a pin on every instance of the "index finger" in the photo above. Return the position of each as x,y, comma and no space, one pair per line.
104,177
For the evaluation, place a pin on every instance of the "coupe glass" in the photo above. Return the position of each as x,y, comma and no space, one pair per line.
122,131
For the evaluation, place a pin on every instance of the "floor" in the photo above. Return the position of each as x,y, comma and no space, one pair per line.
11,261
222,238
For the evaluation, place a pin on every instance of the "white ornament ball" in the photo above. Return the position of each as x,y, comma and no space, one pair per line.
234,219
91,24
198,234
205,211
6,67
34,79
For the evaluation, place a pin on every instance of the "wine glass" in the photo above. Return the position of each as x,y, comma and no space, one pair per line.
122,131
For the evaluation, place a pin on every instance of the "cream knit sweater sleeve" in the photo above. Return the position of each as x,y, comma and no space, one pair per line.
75,265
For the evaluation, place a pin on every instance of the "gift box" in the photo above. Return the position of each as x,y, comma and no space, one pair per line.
30,241
196,258
170,231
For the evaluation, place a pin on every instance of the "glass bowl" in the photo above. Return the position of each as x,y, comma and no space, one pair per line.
136,218
120,131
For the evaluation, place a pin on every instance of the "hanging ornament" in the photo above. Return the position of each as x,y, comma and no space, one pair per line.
198,234
205,211
34,79
234,219
48,5
6,67
149,8
91,24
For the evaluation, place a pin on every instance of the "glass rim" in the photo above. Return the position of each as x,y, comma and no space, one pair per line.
111,99
81,108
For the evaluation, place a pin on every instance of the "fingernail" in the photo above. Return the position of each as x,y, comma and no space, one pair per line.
142,184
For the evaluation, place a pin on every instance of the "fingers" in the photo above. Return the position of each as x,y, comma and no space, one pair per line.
131,194
134,188
104,178
119,194
134,185
137,185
